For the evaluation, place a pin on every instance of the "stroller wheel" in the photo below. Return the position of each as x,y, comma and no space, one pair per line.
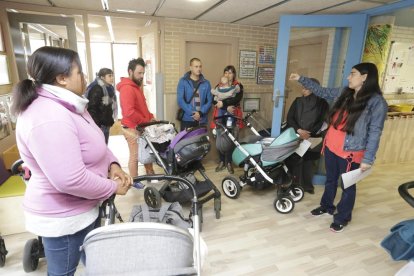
231,187
152,197
3,252
296,193
284,205
31,254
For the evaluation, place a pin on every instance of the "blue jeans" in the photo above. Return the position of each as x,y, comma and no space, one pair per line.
105,130
62,253
335,166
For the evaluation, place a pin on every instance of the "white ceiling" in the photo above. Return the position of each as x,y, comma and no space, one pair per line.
264,13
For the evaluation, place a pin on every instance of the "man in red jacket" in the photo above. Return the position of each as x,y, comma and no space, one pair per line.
134,111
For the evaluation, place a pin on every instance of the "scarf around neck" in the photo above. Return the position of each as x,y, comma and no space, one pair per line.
69,99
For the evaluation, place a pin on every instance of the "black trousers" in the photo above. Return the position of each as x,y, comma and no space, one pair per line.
302,168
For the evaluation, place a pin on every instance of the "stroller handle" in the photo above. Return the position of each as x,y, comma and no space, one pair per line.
403,190
144,125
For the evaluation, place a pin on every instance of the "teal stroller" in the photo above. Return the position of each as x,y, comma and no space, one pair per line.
263,166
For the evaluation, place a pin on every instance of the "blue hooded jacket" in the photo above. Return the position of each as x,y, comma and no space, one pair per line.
185,89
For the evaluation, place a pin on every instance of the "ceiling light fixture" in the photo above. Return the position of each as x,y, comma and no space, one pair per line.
130,11
12,10
148,23
111,31
93,25
105,5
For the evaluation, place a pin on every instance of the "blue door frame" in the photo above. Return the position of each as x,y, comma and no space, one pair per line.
357,23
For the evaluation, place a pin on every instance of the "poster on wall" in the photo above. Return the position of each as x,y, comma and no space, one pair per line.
399,70
377,45
265,75
247,64
5,129
267,55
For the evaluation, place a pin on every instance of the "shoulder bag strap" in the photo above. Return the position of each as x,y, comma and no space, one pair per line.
195,91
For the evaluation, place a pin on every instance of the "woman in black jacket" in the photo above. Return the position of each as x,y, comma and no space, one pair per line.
306,115
102,101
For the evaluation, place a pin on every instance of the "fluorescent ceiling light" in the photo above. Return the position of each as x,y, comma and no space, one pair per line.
35,28
93,25
111,31
12,10
130,11
105,5
148,23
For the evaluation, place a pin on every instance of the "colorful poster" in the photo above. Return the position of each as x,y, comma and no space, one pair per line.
377,45
267,55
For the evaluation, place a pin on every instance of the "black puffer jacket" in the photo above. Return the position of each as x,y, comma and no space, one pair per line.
102,114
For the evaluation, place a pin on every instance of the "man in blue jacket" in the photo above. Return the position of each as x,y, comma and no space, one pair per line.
194,96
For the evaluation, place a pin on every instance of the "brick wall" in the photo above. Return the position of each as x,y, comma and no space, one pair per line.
249,38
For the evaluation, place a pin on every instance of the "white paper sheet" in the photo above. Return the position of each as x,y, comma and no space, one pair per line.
314,141
352,177
303,147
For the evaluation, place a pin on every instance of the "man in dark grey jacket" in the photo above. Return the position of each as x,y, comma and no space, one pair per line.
306,115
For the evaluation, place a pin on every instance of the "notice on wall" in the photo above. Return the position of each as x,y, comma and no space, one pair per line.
247,64
400,67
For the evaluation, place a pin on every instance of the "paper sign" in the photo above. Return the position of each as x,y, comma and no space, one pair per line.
352,177
314,141
303,147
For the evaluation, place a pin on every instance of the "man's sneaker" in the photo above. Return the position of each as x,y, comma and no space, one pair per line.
319,211
335,227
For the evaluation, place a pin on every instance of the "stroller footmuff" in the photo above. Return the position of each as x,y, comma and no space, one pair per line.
182,157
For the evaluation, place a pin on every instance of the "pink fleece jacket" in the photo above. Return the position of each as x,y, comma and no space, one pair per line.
68,158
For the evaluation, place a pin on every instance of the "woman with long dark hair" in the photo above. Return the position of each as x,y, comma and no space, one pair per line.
232,106
72,168
356,121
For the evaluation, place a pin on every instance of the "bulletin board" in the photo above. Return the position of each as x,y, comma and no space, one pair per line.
398,76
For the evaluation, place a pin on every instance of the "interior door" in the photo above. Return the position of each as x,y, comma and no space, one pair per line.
343,49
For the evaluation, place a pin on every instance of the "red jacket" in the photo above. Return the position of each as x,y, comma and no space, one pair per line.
133,104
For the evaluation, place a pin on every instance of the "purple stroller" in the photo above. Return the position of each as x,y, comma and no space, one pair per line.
181,157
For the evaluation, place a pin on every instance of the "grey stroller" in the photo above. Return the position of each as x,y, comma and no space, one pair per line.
144,248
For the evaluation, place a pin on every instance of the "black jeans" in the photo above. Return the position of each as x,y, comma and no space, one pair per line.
335,166
302,169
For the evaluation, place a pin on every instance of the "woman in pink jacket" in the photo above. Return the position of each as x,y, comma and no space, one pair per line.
72,168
